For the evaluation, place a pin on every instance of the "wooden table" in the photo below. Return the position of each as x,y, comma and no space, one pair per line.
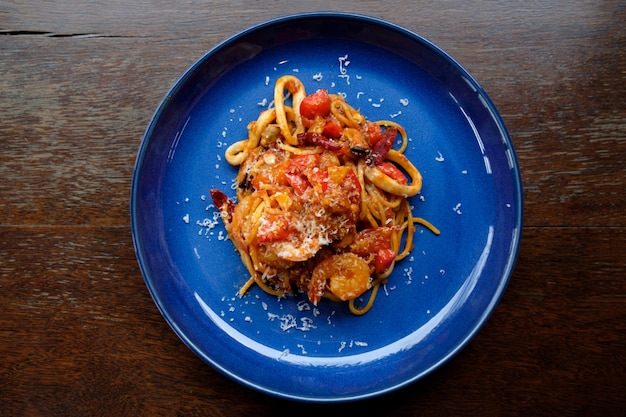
79,332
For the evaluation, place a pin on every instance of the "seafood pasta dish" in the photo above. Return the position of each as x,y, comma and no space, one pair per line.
321,198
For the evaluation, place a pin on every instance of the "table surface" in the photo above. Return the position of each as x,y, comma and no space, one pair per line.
80,334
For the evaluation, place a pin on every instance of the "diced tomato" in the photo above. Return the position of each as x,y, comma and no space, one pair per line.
351,182
298,170
332,129
316,104
384,259
320,178
344,182
392,172
302,163
299,182
373,132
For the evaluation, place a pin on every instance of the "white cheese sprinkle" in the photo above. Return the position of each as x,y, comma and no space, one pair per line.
343,64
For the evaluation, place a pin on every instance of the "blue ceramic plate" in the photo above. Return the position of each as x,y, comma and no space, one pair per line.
434,303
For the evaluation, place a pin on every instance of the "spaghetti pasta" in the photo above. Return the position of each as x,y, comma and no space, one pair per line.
321,202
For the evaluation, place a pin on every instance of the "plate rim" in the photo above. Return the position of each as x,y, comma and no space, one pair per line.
368,20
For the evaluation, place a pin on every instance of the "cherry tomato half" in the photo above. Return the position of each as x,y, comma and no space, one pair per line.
392,172
316,104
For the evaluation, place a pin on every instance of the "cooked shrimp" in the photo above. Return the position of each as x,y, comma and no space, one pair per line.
345,275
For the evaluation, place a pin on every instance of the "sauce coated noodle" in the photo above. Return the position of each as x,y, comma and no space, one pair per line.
321,201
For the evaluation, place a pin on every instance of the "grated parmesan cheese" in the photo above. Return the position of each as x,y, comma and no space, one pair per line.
343,64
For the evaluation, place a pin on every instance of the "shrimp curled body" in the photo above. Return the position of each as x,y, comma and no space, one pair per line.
346,276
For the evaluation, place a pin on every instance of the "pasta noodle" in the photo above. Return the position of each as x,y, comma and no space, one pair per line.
322,198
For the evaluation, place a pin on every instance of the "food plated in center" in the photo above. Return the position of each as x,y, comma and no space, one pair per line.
321,198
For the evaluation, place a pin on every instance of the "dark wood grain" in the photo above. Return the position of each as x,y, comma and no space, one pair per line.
79,332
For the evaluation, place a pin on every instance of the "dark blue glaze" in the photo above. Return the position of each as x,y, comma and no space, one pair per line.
434,302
